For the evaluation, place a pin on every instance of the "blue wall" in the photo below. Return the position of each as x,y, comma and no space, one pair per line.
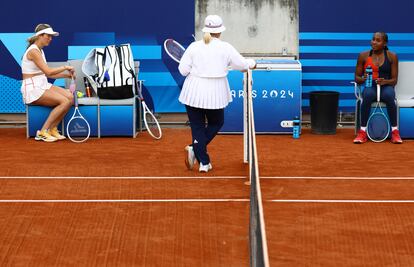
333,33
87,24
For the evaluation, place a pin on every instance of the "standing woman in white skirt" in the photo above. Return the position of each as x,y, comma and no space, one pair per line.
37,90
206,90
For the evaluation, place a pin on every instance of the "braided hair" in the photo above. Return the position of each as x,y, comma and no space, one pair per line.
384,36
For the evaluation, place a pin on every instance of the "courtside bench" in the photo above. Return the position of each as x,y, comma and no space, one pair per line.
106,117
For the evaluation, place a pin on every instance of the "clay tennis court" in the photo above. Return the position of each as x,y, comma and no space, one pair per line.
132,202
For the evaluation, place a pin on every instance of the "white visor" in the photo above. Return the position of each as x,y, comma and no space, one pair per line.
49,31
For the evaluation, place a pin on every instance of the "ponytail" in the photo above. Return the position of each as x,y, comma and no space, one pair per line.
207,38
31,41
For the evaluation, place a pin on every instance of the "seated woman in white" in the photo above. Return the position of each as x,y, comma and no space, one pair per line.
37,90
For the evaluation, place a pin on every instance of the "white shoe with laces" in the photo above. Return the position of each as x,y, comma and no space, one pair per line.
205,168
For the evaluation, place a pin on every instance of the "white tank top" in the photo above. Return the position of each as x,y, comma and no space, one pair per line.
28,66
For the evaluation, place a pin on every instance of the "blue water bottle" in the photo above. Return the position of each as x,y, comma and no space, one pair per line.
368,81
296,127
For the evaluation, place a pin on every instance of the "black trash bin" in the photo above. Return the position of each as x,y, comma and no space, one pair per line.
324,111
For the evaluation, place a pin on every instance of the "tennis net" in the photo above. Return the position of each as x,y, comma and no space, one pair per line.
257,233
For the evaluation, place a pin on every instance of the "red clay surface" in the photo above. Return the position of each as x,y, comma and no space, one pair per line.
187,220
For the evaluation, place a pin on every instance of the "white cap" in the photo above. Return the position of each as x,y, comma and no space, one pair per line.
49,31
213,24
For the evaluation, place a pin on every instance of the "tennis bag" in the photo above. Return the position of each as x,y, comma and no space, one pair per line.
110,71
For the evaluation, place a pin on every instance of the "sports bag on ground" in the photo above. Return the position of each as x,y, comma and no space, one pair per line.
110,71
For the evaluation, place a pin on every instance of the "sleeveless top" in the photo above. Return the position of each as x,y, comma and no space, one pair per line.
28,66
383,71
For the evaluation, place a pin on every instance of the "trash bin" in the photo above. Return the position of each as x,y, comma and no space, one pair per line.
324,110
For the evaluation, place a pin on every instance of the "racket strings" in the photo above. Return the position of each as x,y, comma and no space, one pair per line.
174,49
152,125
78,129
378,127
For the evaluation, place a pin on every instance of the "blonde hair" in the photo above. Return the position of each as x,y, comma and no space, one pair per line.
38,28
209,36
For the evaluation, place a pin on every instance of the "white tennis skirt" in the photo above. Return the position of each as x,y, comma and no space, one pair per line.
206,93
33,88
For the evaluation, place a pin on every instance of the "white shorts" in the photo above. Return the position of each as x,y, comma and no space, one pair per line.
33,88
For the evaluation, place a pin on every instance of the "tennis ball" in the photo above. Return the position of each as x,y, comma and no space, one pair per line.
79,94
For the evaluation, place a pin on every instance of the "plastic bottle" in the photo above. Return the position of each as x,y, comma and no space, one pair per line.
296,127
368,81
87,87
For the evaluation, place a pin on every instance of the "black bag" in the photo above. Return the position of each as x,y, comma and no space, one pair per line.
110,71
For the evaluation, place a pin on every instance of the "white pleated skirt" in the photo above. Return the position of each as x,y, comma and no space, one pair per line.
206,93
33,88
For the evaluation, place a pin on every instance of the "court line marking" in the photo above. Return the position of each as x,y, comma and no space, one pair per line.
124,177
118,200
338,177
337,201
209,177
198,200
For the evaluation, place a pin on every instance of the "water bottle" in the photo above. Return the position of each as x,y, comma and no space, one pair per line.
87,87
296,127
368,81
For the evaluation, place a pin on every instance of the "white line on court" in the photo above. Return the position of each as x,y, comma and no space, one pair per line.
117,200
124,177
198,200
337,178
337,201
208,177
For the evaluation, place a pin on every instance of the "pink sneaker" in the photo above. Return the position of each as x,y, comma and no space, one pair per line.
361,137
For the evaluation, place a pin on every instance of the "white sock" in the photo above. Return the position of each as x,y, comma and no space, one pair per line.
394,128
364,129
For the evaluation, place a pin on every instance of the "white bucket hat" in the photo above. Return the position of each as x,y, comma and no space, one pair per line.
49,31
213,24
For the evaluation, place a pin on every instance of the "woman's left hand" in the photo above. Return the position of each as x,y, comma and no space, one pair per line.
380,81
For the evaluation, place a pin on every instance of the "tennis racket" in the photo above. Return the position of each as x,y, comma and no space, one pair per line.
78,129
378,126
150,122
174,49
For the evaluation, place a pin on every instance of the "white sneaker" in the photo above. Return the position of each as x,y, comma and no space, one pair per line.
44,135
189,157
205,168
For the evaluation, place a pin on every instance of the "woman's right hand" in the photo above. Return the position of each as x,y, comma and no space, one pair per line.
364,77
71,69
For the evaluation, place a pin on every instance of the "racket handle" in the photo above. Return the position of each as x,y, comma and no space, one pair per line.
378,92
75,99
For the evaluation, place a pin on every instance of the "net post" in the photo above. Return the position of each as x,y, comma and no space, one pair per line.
258,242
245,120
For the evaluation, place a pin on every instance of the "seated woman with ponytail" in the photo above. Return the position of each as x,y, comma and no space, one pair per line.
37,90
206,91
384,64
